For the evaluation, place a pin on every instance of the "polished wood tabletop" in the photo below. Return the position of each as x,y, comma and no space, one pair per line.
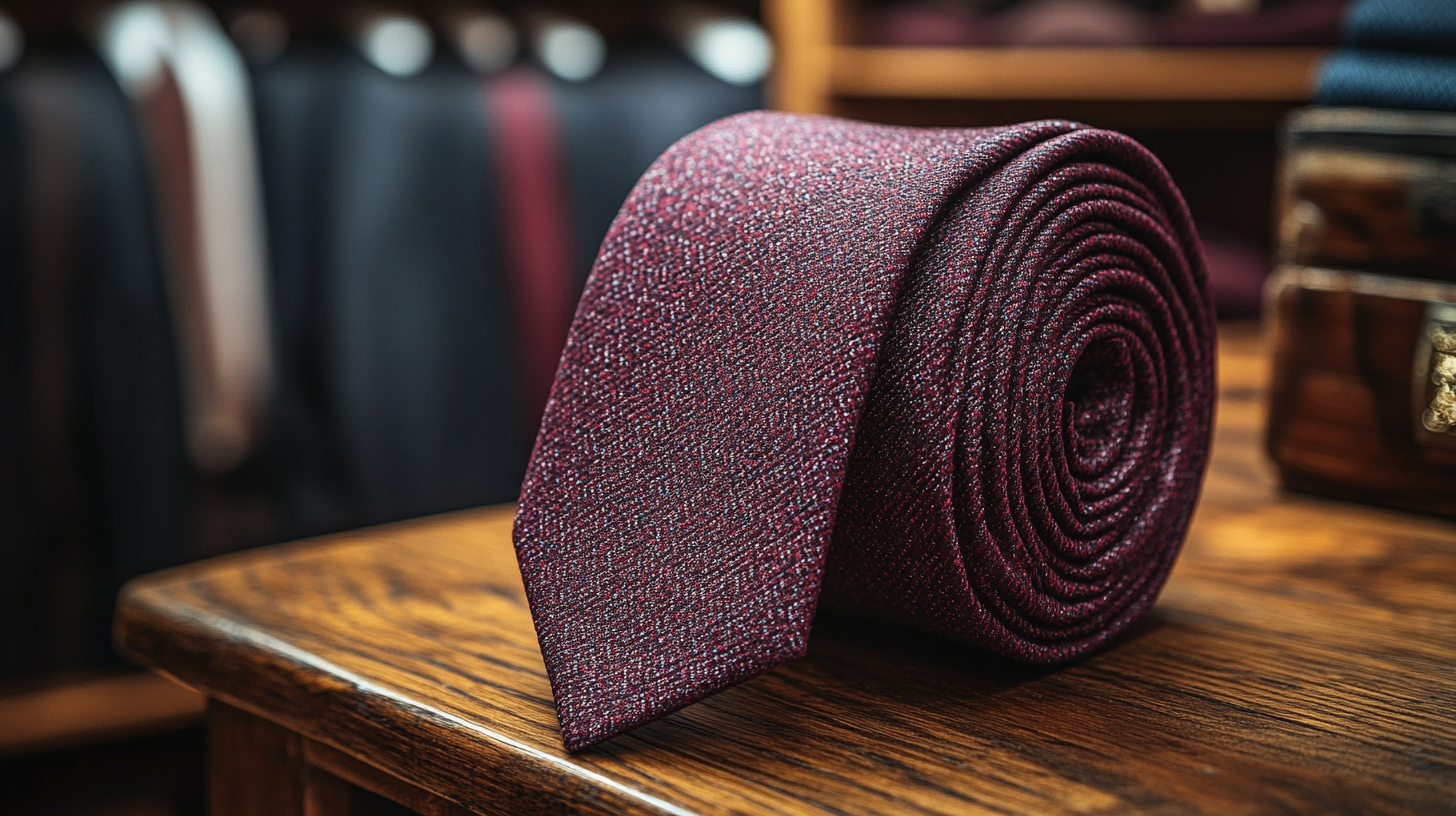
1302,659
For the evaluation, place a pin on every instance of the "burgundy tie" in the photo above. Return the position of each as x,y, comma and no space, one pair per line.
959,379
536,226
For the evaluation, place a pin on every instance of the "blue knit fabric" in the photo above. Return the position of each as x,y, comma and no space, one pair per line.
1399,54
1427,26
1386,79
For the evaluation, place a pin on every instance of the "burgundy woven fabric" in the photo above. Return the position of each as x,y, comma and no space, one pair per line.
960,379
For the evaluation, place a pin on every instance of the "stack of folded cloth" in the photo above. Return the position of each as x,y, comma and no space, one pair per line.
1400,54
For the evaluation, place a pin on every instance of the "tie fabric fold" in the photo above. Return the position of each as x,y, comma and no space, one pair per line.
956,379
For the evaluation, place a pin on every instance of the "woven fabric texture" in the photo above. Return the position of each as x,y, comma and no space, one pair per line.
959,379
1387,79
1402,25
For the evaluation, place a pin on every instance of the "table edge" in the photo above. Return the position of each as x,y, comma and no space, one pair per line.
245,667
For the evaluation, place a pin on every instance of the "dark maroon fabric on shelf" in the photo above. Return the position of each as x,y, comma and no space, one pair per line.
1300,22
1236,273
959,379
1037,23
926,23
1073,23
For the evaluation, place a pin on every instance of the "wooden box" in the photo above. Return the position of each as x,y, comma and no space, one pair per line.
1363,303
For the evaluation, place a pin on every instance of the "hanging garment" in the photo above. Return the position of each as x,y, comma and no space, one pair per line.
17,549
535,228
430,235
397,387
90,414
956,379
54,566
190,88
419,339
135,379
297,99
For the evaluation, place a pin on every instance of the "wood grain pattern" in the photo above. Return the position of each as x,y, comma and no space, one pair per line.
346,769
257,767
803,34
1370,211
1299,660
94,708
1200,74
817,62
1342,419
326,794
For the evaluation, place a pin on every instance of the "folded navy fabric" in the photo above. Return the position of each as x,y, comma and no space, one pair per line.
1387,79
1402,54
1402,25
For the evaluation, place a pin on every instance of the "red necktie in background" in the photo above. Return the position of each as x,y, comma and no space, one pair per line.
960,379
535,216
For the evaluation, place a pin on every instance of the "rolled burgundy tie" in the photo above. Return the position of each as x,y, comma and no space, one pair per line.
958,379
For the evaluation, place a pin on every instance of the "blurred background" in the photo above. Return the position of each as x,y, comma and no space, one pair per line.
275,271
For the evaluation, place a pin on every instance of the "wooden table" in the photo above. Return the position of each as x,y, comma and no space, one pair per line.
1302,659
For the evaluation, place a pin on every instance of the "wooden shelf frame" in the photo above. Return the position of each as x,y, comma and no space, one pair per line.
91,709
1110,74
815,66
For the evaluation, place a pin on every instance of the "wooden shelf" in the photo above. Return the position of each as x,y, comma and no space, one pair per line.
94,709
1112,74
1299,660
816,68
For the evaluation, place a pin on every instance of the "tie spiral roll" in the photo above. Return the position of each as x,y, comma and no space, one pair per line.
958,379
